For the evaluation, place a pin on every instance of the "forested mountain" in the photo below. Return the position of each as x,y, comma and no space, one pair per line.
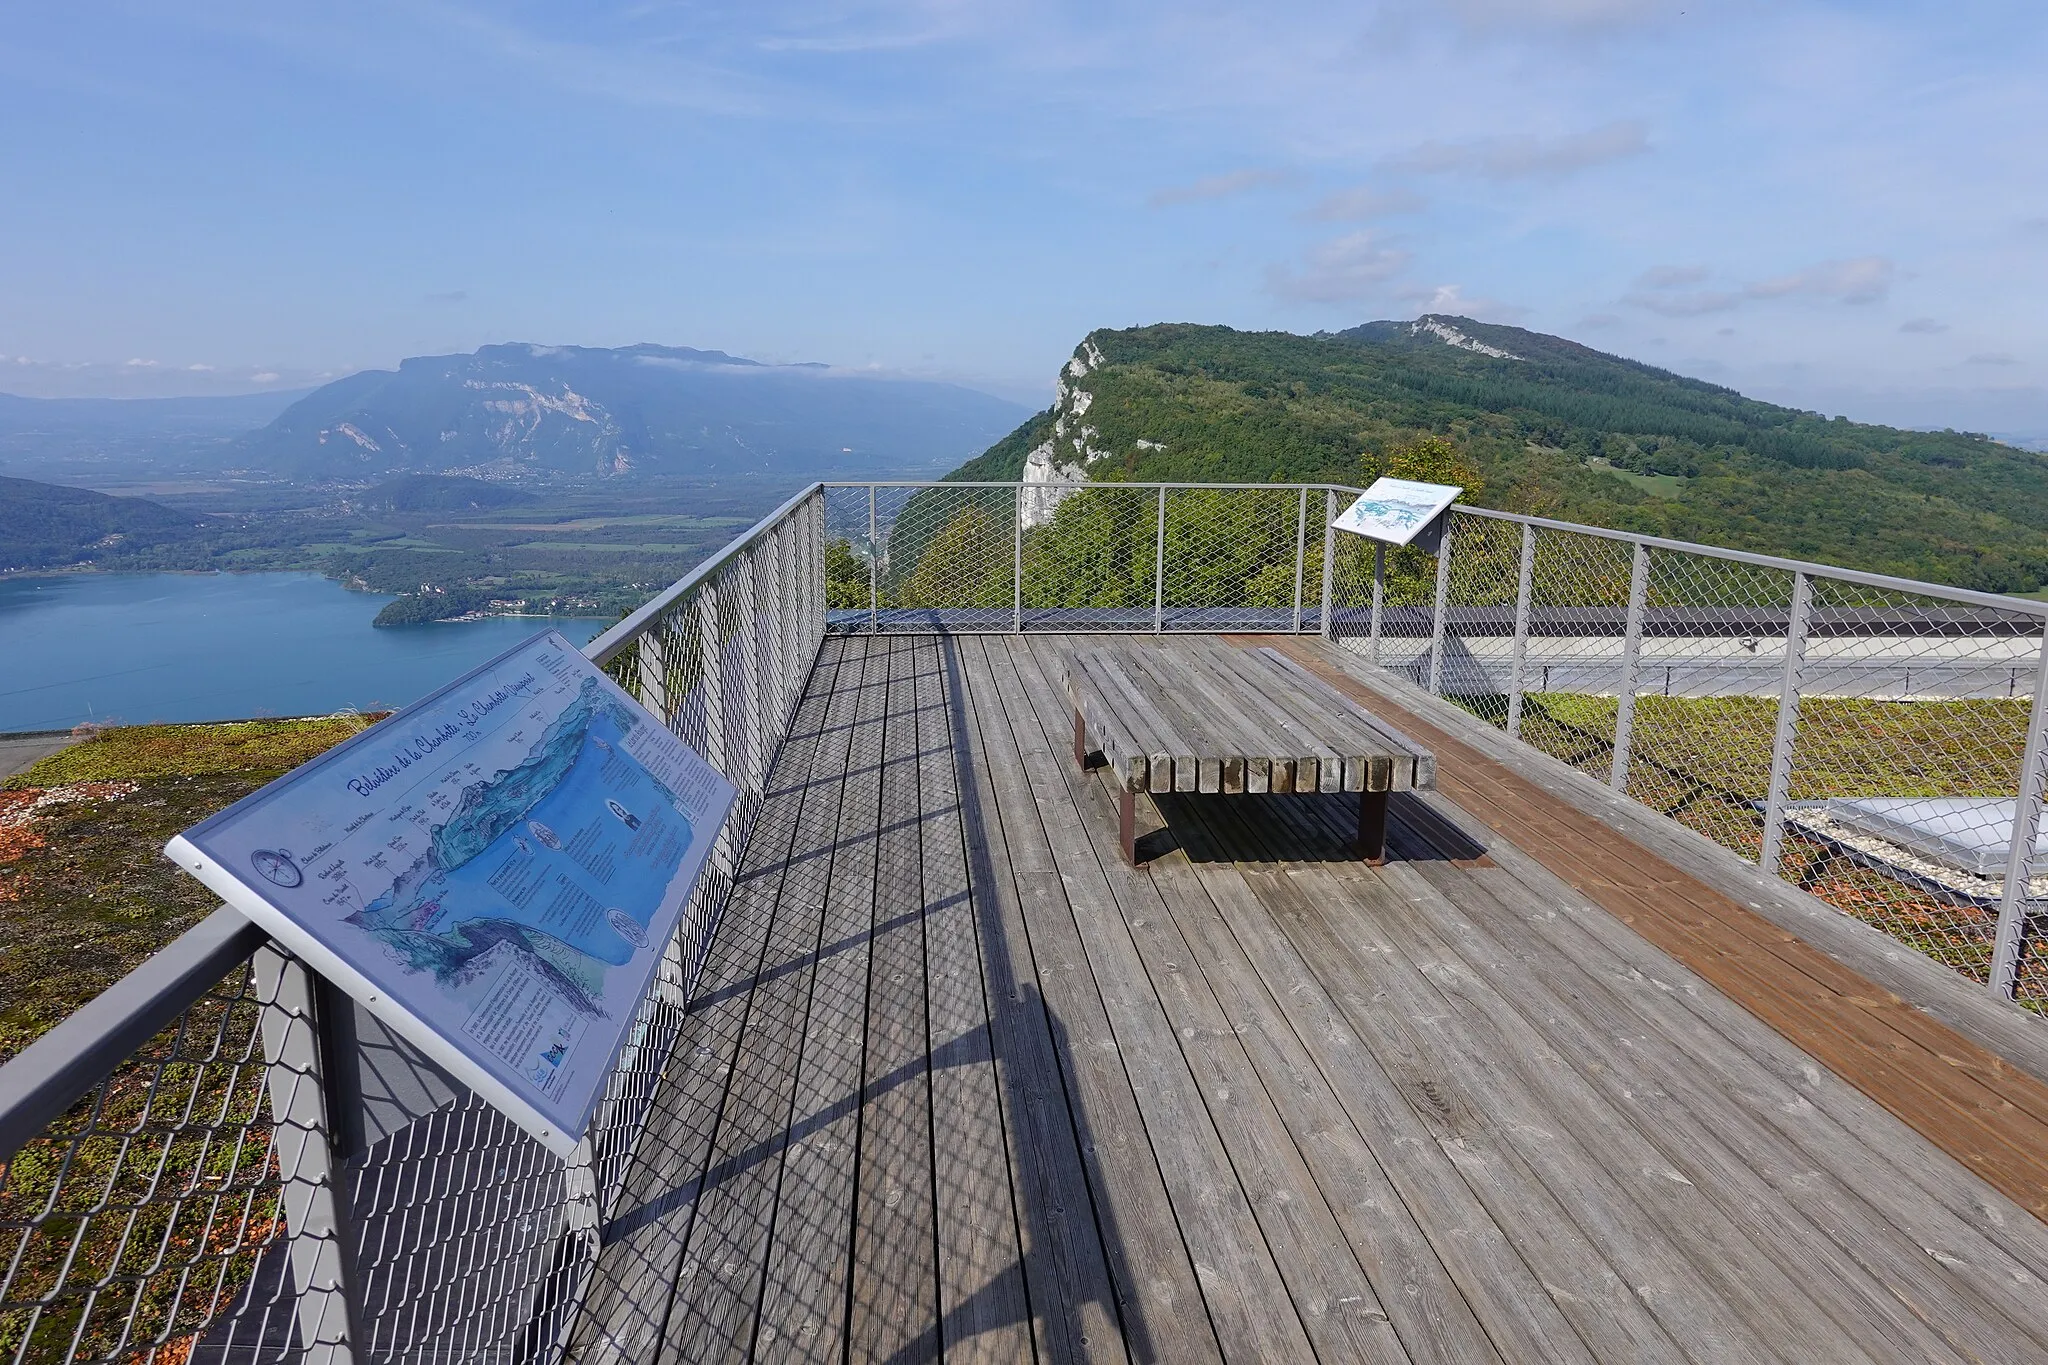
44,525
637,409
1546,426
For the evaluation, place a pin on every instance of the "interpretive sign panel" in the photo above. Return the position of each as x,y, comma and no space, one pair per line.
1396,510
494,871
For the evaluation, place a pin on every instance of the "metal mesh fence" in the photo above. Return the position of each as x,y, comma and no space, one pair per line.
143,1213
1868,743
191,1207
1912,724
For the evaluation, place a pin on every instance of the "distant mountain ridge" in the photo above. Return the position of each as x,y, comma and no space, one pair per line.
1551,427
519,407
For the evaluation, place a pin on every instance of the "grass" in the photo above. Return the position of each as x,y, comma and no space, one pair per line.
179,1137
1656,485
85,894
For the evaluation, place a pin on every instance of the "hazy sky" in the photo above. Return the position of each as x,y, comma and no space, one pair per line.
1837,205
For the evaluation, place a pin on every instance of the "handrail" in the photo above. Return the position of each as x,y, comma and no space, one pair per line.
51,1074
605,647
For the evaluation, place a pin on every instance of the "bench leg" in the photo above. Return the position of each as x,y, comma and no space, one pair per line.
1080,742
1372,827
1127,822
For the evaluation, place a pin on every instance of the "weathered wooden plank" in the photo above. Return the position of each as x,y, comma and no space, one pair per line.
1942,1084
1255,1317
1824,1237
804,1300
633,1287
895,1297
1074,1299
1164,1312
1830,1148
1424,774
1444,1167
1725,1271
1299,726
1332,1295
713,1316
1154,732
984,1311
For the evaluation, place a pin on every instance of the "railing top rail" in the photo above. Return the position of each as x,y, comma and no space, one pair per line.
2002,602
50,1074
601,650
2023,606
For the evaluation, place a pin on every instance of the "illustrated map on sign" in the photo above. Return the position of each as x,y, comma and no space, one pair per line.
501,865
1396,510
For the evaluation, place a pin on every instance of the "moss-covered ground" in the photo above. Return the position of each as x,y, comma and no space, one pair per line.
85,892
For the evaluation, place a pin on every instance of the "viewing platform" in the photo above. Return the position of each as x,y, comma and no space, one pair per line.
1695,1014
960,1084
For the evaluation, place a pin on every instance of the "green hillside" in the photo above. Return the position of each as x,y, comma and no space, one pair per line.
47,525
1554,428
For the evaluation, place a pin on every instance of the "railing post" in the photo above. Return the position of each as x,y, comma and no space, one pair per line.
1787,732
1017,564
1631,665
748,648
1159,568
1525,583
1379,593
711,675
1300,554
1329,563
2014,906
651,675
1443,602
874,563
316,1203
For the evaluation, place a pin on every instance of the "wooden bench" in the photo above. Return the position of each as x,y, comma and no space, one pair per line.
1203,716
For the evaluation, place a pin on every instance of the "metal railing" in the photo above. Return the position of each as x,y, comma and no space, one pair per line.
222,1159
1799,714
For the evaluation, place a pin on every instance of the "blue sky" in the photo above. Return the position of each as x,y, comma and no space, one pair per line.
1837,205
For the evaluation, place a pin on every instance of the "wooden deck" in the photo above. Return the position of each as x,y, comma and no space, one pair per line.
960,1084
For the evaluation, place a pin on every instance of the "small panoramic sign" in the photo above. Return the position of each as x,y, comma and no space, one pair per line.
494,872
1396,510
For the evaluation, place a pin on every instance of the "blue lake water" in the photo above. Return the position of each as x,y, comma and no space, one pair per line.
137,648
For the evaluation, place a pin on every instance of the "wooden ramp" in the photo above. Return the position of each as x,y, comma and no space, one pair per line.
962,1085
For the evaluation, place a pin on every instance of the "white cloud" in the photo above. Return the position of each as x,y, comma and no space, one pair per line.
1863,280
1526,154
1991,358
1451,298
265,377
1867,279
1218,187
1923,326
1338,271
1671,276
1362,203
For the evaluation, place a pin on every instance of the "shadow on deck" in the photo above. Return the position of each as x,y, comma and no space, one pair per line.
960,1084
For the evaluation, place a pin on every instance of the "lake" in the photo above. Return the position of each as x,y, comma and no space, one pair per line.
137,648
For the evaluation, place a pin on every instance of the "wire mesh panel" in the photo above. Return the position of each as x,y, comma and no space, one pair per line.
1912,725
951,560
1233,558
142,1215
1091,559
1578,616
1709,674
1478,635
